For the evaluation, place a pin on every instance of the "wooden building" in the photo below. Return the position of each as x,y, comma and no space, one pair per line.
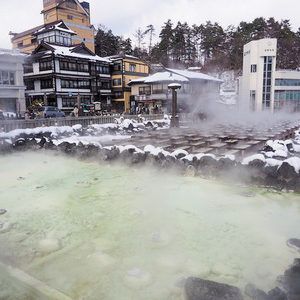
75,14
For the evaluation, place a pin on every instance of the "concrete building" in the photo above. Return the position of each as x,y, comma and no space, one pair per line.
12,88
262,87
75,14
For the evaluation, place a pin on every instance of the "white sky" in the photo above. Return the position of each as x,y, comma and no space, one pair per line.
125,17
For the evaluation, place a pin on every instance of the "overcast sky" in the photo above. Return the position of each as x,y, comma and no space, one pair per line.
125,17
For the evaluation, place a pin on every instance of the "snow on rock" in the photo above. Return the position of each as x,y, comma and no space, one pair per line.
272,162
127,147
155,150
179,152
248,159
294,162
77,127
281,153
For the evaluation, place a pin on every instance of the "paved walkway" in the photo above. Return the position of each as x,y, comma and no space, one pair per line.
219,139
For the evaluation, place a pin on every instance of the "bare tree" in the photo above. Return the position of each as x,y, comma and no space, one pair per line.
150,30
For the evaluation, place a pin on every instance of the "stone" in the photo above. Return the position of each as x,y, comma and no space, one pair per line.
277,294
200,289
47,246
287,171
252,291
292,279
293,243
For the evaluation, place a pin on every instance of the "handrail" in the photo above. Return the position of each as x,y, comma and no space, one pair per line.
11,124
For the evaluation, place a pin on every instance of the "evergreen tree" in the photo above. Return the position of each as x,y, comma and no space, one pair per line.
166,42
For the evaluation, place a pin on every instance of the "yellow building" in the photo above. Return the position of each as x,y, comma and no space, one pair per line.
125,68
74,14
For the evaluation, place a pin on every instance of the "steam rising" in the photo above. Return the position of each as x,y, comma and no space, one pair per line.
136,233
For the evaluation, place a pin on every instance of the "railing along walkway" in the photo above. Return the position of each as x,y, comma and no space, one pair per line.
11,124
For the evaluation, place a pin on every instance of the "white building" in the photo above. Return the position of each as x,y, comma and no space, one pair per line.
262,87
197,90
12,88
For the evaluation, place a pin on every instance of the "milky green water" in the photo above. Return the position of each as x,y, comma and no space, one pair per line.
98,231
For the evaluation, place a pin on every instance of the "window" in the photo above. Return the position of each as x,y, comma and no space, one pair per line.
253,68
7,78
252,100
29,84
118,95
116,81
117,67
132,67
45,65
70,17
159,89
75,84
287,82
104,84
267,81
71,4
145,90
46,83
19,45
73,66
102,69
28,68
82,67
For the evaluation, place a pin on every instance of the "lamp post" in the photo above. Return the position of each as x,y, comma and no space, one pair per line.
174,119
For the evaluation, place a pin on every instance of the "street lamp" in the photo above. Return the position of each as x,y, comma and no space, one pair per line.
174,119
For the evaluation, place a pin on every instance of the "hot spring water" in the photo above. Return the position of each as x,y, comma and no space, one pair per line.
108,232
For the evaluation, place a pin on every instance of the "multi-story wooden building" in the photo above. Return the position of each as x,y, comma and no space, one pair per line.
75,14
61,75
124,69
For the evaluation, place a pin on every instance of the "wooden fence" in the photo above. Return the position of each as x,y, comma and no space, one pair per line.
11,124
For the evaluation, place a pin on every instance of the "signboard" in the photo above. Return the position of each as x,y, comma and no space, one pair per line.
97,105
70,94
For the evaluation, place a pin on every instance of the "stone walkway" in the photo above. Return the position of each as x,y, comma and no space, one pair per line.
236,139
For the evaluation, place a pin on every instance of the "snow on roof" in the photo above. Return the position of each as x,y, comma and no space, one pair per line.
193,75
121,56
67,51
56,26
161,77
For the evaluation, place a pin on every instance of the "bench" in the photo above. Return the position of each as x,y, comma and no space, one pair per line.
203,150
197,145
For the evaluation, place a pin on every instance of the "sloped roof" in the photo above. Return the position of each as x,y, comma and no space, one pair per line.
29,31
62,1
75,51
60,25
113,58
194,75
160,77
57,25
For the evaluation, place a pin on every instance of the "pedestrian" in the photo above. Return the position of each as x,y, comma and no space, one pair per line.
27,115
75,111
